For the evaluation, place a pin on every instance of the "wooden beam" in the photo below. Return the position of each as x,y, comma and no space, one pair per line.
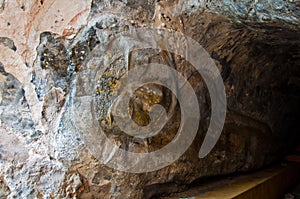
267,184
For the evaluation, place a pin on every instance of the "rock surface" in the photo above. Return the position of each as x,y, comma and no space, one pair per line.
51,49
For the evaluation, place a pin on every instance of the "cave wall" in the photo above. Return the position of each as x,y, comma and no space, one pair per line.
50,49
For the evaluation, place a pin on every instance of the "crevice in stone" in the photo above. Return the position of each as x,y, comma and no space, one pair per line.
7,42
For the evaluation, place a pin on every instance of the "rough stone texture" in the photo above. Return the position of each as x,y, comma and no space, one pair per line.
46,46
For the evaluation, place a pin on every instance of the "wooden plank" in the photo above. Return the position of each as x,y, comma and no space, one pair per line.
267,184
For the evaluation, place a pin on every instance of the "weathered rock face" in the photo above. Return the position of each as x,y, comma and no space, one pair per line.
54,52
